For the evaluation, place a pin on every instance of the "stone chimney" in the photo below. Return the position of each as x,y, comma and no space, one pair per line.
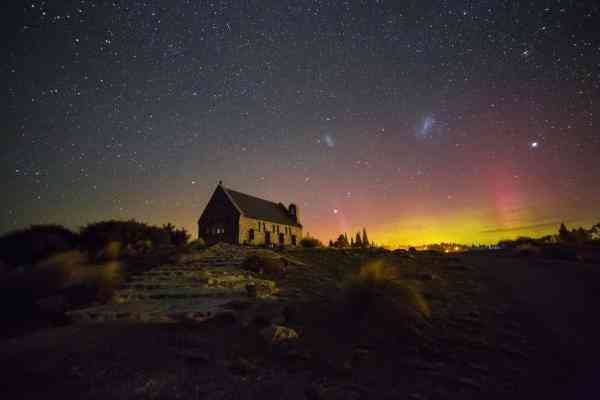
294,212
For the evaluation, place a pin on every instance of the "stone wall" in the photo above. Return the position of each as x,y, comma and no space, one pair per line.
259,234
221,215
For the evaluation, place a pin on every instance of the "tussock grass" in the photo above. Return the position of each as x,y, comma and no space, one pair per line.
72,268
111,251
378,290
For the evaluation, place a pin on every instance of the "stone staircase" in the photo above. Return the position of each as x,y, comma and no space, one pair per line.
194,290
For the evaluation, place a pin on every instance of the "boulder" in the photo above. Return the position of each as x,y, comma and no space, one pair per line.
277,335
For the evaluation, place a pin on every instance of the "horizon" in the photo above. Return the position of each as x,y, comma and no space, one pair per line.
422,122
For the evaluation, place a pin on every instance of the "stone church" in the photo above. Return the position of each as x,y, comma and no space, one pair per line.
235,217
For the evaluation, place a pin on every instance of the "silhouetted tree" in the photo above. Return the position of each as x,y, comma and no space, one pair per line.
365,239
342,241
352,244
580,235
358,242
179,237
595,232
563,234
330,243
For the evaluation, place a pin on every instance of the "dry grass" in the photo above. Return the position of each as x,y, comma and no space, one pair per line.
72,268
378,289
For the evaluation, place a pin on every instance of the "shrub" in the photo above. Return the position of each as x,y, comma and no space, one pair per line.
274,266
96,236
28,246
72,270
196,245
310,242
104,280
376,290
111,251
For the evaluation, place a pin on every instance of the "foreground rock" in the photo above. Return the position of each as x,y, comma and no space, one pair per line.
277,336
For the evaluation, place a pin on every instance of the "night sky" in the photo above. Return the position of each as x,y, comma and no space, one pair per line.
466,121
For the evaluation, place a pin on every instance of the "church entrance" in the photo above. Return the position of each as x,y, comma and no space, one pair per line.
267,238
281,238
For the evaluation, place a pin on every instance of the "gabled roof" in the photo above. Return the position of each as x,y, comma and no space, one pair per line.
254,207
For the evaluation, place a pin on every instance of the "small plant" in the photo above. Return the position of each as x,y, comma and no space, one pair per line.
196,245
377,290
310,242
272,266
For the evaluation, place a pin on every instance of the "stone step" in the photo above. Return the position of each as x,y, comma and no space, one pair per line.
156,311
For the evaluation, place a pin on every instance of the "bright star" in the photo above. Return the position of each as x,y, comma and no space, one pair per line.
534,145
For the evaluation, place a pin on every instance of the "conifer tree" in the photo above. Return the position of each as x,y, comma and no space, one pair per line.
358,241
365,239
563,233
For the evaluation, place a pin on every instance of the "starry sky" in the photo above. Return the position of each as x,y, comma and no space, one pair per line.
425,121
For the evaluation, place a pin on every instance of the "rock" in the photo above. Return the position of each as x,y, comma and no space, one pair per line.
276,335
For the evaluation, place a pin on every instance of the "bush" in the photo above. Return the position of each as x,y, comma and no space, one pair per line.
274,266
196,245
377,291
28,246
95,237
111,251
310,242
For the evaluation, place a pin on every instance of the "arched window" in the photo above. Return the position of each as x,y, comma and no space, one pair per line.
251,235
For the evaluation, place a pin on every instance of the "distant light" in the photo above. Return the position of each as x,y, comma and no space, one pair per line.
335,211
534,145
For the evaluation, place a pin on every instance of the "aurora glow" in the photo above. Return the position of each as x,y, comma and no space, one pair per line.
455,121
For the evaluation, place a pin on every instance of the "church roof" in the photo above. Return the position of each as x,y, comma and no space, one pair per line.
254,207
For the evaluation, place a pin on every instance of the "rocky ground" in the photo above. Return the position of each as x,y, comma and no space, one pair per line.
193,329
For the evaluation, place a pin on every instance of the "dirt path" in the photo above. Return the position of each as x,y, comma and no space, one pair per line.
561,300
